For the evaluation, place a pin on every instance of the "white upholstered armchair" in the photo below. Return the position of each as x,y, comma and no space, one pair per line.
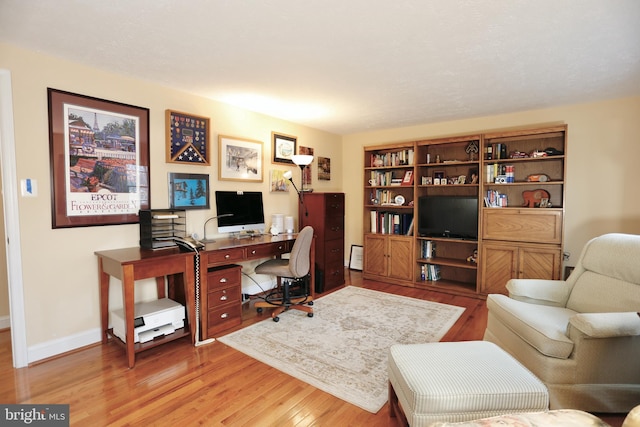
581,336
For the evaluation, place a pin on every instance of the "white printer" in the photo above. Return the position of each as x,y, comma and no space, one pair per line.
151,319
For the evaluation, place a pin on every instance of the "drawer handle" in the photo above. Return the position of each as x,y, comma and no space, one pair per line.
253,252
223,298
335,250
223,280
280,248
227,256
224,315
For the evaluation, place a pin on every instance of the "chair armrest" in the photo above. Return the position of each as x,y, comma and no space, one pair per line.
607,325
539,291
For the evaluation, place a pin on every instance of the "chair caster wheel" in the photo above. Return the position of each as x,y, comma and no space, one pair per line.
310,303
309,314
276,319
259,309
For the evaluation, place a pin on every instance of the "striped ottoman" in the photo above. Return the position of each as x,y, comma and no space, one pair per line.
459,381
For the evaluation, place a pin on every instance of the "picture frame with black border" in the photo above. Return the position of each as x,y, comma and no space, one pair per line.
189,191
356,257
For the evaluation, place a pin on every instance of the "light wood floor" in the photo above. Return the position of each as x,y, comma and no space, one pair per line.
211,385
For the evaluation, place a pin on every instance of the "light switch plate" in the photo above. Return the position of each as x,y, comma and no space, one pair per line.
29,187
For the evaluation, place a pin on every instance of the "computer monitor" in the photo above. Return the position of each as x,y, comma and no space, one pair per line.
244,209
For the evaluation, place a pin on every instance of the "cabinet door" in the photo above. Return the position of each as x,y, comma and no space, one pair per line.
539,263
400,250
499,264
375,259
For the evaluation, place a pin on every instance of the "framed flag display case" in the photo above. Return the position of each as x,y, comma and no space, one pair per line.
187,138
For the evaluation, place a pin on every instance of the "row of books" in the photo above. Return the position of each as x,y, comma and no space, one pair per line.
430,272
397,158
427,249
382,197
391,223
495,199
386,178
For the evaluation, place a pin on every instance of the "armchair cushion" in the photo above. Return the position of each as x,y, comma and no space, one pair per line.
607,325
540,291
543,327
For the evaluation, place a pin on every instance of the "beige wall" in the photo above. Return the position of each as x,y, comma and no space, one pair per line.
602,167
59,266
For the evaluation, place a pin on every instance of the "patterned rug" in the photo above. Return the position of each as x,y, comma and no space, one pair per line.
343,349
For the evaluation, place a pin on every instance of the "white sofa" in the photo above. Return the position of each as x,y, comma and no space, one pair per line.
581,336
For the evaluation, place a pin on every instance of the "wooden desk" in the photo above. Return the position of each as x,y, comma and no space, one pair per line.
220,283
131,264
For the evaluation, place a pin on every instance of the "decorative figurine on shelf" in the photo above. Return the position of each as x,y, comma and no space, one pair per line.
473,258
472,150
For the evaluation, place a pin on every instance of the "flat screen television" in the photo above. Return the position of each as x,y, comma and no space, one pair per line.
244,209
448,216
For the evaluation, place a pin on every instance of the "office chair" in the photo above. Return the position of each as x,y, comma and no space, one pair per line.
293,292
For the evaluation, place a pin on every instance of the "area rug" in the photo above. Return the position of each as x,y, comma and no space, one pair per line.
343,348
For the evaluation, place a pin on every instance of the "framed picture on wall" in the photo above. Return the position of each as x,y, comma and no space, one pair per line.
239,159
99,160
324,168
284,146
188,191
187,138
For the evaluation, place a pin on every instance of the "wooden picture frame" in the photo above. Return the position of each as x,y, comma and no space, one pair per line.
283,147
239,159
187,138
356,257
189,191
99,153
324,168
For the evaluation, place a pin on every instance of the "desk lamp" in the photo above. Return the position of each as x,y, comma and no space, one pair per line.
204,237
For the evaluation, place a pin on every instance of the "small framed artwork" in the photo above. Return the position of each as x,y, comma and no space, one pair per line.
284,146
99,152
188,191
324,168
355,258
187,138
279,184
306,172
239,159
408,178
473,176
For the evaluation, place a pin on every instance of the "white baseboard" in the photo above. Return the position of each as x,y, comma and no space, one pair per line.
63,345
5,322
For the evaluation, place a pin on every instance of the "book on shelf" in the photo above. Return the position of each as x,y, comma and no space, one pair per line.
397,158
383,222
433,272
427,249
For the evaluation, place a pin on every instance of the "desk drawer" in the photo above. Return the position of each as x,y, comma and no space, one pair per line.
224,318
225,256
268,250
220,297
224,278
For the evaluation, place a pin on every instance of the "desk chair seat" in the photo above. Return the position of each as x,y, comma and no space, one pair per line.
293,292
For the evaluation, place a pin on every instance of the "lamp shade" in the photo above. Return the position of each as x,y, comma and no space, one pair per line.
302,159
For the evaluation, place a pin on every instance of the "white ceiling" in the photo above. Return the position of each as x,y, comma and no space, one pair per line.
348,66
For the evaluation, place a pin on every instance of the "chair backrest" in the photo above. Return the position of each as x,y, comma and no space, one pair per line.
299,260
607,275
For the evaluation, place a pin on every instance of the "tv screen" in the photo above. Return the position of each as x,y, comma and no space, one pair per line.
448,216
244,209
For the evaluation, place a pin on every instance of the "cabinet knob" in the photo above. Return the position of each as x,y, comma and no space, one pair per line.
223,298
223,280
224,315
253,252
227,256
